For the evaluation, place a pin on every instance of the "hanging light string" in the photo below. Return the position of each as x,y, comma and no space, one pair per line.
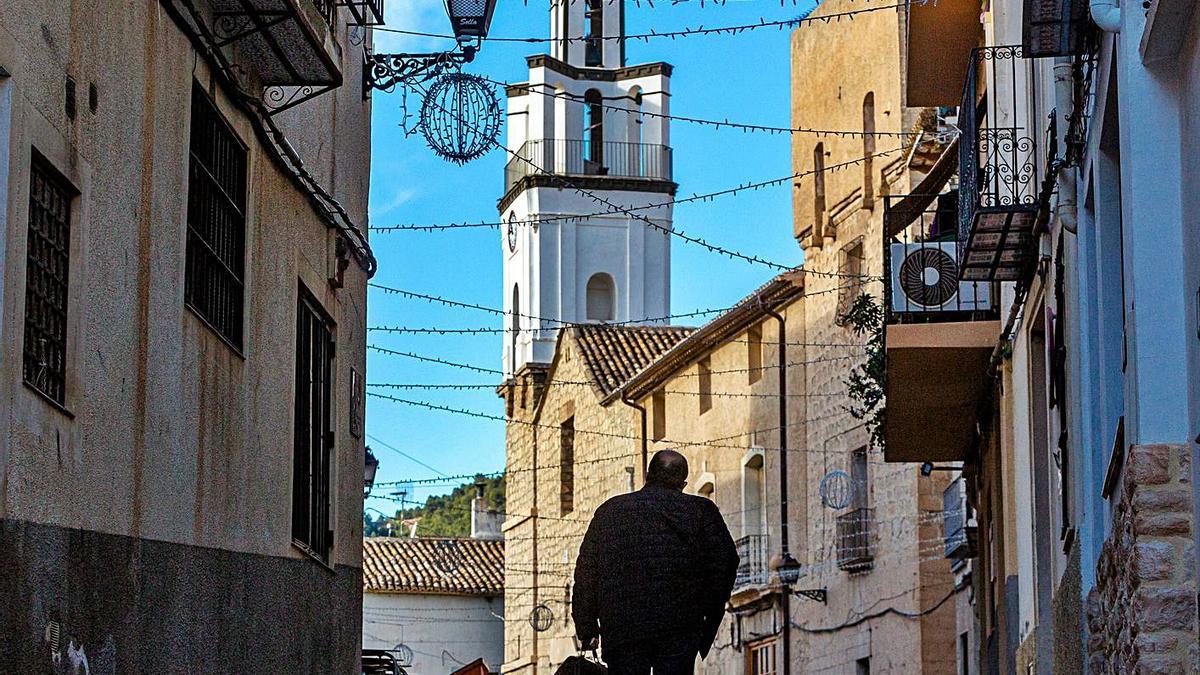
405,330
630,210
782,24
714,393
544,89
493,371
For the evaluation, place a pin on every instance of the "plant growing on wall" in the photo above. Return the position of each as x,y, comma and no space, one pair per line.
865,382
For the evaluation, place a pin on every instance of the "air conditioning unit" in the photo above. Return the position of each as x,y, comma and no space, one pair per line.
925,278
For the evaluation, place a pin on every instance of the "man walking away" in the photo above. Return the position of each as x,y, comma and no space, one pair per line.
653,575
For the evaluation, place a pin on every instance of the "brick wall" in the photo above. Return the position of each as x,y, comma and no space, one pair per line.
1142,612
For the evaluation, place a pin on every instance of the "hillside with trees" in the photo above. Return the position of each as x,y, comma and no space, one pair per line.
447,515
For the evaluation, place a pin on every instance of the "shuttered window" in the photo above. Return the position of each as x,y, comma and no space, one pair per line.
312,528
216,221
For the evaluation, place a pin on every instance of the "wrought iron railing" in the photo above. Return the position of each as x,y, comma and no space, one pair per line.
921,248
1000,169
327,9
569,157
365,12
753,558
856,540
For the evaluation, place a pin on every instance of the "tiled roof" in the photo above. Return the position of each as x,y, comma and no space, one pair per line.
446,565
614,354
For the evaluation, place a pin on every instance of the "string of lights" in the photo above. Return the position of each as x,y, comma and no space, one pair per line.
715,394
781,24
633,211
409,330
545,90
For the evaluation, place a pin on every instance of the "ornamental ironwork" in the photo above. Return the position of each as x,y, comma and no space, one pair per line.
836,490
461,117
541,618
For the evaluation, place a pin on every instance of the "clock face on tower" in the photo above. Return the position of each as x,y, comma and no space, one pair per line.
511,231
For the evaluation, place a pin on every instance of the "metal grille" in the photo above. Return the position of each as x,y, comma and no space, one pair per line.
856,540
216,235
46,275
752,561
313,442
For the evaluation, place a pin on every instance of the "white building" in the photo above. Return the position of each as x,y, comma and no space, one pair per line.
436,603
589,161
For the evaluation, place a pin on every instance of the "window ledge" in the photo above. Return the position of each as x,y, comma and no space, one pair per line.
237,351
47,400
312,555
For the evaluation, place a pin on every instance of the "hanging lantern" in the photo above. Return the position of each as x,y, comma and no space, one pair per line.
470,19
460,117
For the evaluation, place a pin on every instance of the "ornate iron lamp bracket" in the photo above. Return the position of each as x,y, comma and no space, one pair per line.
817,594
385,71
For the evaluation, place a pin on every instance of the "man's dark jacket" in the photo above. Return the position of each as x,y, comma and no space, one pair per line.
655,564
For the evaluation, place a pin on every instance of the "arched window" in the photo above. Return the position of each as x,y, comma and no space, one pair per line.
593,45
869,151
819,191
601,298
636,134
593,132
514,325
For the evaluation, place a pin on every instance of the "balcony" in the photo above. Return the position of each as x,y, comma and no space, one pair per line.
856,540
939,331
959,532
1000,170
581,158
753,558
281,42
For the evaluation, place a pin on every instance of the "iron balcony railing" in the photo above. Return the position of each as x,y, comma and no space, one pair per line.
365,12
958,531
1000,169
856,540
568,157
922,280
753,561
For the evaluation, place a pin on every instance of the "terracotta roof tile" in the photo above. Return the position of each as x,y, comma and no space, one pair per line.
614,354
447,565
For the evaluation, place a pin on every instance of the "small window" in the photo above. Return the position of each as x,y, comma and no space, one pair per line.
868,190
754,354
312,528
658,404
862,666
594,42
849,281
704,375
47,271
514,327
216,221
600,298
819,191
860,485
760,657
566,466
593,132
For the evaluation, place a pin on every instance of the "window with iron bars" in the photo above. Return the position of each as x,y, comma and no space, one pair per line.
312,529
47,271
214,278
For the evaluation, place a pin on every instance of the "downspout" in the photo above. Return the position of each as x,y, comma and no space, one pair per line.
784,561
1063,95
642,413
1106,14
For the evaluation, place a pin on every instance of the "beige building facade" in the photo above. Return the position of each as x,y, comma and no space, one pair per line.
182,312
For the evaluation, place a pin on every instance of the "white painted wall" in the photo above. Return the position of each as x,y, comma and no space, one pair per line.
444,632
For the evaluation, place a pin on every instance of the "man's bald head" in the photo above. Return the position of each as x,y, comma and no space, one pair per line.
667,469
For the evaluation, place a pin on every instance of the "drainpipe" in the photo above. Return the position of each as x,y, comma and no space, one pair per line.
1106,14
642,413
785,561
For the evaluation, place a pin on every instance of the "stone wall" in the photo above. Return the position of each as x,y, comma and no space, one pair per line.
1142,611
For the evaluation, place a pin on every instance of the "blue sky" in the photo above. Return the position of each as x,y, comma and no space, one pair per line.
741,77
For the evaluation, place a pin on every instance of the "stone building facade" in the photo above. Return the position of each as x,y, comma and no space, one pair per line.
182,314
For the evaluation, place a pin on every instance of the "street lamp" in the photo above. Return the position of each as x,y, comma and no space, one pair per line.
370,466
470,20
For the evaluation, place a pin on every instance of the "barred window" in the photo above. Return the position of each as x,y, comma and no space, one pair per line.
47,271
312,529
566,465
216,227
704,371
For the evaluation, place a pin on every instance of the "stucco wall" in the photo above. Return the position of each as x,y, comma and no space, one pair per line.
170,436
444,632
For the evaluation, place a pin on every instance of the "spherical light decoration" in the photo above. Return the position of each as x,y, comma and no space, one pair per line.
447,557
836,490
460,117
403,654
541,618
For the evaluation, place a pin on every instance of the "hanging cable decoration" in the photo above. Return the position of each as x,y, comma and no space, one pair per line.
836,490
541,618
460,117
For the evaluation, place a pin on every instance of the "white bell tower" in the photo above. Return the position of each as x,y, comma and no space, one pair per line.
589,158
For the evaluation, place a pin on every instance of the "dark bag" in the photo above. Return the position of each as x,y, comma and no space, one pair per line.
581,665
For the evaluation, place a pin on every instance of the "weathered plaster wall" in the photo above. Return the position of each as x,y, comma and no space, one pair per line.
443,631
